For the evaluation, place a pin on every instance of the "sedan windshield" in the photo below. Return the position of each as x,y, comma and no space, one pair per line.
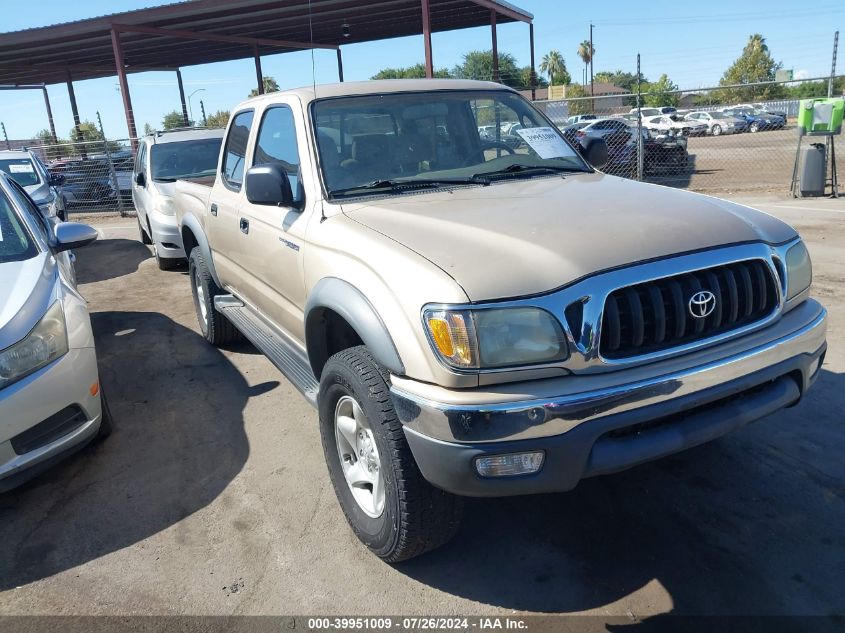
21,170
391,143
185,159
15,242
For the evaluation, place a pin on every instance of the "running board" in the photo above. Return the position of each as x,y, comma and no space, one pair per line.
287,359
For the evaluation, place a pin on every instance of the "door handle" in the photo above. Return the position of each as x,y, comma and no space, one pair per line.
213,209
244,225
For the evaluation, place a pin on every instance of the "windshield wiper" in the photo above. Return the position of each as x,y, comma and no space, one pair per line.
518,168
412,183
164,179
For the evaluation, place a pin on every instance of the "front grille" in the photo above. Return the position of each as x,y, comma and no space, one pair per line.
655,315
57,425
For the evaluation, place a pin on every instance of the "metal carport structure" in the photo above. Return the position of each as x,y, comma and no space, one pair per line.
206,31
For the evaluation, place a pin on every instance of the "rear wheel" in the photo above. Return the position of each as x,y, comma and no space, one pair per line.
216,328
754,127
391,508
716,130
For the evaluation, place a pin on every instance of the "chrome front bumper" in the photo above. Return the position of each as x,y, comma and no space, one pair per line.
590,432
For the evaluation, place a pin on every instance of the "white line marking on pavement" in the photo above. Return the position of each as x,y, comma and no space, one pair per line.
800,208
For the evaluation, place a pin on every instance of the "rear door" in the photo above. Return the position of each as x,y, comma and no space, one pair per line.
273,246
223,225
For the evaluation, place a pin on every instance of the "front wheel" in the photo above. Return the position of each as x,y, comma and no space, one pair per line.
717,130
391,508
754,127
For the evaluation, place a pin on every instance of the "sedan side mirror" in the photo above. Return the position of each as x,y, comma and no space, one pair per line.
57,180
140,179
595,151
269,184
70,235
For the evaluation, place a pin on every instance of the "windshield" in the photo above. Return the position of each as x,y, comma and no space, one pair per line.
21,170
442,137
185,159
15,241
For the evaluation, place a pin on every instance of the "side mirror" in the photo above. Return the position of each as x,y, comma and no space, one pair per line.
595,151
140,179
57,180
70,235
269,184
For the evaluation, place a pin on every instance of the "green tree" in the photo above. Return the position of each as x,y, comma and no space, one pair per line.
417,71
270,85
661,93
586,52
52,146
148,129
540,81
754,65
621,79
581,105
554,65
173,120
479,65
92,138
218,119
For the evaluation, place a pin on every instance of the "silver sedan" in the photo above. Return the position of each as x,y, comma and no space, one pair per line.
718,122
51,400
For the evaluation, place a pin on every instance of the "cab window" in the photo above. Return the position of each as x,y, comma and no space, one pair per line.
276,144
234,154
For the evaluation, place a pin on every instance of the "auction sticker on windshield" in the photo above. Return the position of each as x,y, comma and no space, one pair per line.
545,141
22,168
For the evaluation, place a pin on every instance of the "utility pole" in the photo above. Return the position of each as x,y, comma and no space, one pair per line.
591,59
204,119
112,172
833,65
640,147
5,136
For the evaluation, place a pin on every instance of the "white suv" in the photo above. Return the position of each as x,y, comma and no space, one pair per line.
163,158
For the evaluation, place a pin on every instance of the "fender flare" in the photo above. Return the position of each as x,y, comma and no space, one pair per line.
189,222
351,304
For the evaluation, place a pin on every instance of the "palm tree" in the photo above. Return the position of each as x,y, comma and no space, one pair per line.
554,66
586,52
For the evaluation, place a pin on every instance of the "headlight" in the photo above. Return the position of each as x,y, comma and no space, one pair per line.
45,343
166,206
799,270
490,338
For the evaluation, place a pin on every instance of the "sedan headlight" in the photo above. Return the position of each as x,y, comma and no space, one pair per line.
491,338
799,270
45,343
166,206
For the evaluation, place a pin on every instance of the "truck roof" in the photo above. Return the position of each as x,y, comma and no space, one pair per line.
188,134
381,86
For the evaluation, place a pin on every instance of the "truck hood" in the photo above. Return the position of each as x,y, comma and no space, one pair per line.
26,290
532,236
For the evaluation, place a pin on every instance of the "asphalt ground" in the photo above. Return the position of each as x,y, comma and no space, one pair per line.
212,497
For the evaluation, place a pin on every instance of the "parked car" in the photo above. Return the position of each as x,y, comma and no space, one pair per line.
718,122
646,112
51,399
664,154
757,120
45,188
764,107
163,158
570,132
578,118
674,124
471,322
87,181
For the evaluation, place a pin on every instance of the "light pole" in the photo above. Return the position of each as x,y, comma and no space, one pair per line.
190,109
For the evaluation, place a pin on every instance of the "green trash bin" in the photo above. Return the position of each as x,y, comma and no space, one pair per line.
820,117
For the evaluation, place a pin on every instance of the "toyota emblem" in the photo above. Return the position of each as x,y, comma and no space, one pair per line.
702,304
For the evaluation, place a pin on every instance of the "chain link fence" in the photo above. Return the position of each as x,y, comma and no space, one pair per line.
97,174
698,140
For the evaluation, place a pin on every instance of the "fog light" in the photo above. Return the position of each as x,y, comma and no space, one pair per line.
510,464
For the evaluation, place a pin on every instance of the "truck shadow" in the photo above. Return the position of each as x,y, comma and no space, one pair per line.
161,464
115,258
749,524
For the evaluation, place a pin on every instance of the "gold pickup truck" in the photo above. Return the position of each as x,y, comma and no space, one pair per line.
474,308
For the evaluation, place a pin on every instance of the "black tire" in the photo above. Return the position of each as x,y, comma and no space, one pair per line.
145,239
216,328
716,130
166,263
417,517
754,127
106,422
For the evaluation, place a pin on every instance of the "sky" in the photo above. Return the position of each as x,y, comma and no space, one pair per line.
692,43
